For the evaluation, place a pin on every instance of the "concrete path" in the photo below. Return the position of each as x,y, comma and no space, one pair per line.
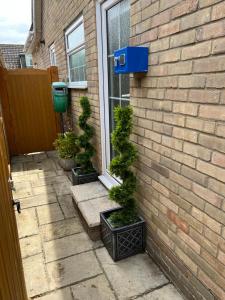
60,261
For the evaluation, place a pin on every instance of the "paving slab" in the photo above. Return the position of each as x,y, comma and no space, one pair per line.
60,229
31,178
35,275
67,206
44,189
62,294
62,188
54,179
38,200
67,246
168,292
30,246
91,209
49,213
27,222
22,190
132,276
73,269
47,165
88,191
52,153
96,288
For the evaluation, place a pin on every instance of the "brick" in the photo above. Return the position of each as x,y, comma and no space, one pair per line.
192,198
191,221
149,36
218,159
169,28
160,188
201,125
176,94
196,51
211,31
181,180
185,134
172,143
203,242
164,4
191,81
150,10
217,266
212,64
161,18
159,169
194,175
212,112
206,220
180,68
197,151
184,158
178,221
182,39
167,82
170,164
154,115
215,213
185,108
207,195
211,284
212,142
218,46
189,241
221,256
153,136
204,3
163,128
160,45
188,261
181,202
165,239
184,8
204,96
211,170
195,19
217,187
174,119
169,204
169,56
220,130
216,239
218,11
216,81
160,70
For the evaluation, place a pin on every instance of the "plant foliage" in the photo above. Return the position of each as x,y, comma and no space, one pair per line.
66,145
84,157
120,165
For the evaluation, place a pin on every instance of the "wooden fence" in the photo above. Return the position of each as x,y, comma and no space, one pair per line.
31,123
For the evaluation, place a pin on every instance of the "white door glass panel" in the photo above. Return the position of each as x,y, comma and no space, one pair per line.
118,32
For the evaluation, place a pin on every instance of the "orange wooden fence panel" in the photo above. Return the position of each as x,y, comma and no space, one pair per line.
12,284
31,123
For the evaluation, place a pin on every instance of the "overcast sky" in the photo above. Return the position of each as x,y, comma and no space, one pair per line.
15,21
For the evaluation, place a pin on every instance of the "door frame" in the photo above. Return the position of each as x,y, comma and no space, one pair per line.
101,8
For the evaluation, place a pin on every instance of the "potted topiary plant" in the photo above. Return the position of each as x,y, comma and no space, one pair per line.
85,172
67,147
122,230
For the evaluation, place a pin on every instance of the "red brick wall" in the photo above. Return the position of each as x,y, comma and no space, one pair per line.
179,131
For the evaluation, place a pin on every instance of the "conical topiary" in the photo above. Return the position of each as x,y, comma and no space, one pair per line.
84,157
120,167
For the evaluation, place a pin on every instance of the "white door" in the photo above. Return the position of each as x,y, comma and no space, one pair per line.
113,28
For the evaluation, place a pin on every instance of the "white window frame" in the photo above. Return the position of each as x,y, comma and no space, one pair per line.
81,46
52,54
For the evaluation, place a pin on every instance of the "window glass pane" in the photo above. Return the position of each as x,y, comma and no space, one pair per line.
76,37
113,28
113,79
124,23
77,66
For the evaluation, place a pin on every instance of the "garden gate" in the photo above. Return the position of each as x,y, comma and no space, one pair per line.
30,121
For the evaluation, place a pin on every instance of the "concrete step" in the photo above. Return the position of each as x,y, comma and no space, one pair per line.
91,199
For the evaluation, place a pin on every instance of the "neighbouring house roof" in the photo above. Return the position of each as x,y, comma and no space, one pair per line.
34,35
11,55
2,62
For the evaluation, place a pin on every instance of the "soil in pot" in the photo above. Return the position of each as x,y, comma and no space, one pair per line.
80,177
124,241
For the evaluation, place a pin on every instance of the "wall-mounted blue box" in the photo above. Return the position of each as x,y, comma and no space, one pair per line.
131,60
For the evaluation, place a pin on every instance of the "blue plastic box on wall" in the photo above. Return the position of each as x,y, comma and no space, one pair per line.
131,60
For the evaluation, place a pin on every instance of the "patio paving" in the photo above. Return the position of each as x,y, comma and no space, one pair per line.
60,261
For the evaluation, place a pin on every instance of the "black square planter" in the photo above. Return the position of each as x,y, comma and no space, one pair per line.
83,178
123,241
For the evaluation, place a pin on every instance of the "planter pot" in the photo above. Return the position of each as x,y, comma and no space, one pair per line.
83,178
123,241
67,164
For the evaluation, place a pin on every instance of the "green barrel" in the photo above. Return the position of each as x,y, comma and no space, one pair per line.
60,96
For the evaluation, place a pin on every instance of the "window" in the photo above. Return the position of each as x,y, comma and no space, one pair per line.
52,55
75,49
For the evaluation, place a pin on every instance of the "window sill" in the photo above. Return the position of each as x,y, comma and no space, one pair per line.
108,181
79,86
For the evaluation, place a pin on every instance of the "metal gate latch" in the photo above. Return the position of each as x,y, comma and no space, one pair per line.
18,207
